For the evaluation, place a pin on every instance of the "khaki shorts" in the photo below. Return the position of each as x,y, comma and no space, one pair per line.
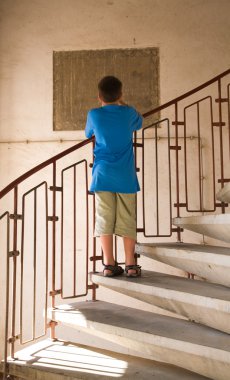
115,214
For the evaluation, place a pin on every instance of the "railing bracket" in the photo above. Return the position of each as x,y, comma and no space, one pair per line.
14,253
218,124
224,180
55,292
177,229
138,145
53,218
177,122
137,170
95,258
221,100
180,204
93,286
140,230
55,188
221,204
90,165
16,216
174,147
90,193
51,324
13,339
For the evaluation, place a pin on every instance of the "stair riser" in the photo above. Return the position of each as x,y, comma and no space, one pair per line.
206,361
216,226
188,308
219,232
212,272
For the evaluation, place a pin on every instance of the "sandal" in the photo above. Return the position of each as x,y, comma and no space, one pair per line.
137,268
116,270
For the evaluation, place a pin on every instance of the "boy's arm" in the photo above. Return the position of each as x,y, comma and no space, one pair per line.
137,120
89,128
137,117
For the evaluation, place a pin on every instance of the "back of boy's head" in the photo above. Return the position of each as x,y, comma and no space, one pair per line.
110,89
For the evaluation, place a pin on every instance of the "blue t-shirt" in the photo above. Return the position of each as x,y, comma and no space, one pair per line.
114,168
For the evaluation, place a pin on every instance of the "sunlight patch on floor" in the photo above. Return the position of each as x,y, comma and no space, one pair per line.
69,357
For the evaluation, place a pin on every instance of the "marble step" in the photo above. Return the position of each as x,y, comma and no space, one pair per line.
223,195
215,226
209,262
200,301
59,360
185,344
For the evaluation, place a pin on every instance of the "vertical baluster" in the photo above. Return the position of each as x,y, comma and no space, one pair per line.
94,242
35,261
177,170
5,367
74,230
53,247
143,179
221,142
229,117
199,157
15,235
47,256
87,223
157,177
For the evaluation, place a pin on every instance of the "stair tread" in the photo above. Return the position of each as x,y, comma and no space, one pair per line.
59,359
217,250
209,219
150,280
104,315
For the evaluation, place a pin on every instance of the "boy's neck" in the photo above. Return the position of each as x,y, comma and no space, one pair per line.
109,104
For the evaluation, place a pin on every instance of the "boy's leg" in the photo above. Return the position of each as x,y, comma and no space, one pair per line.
126,226
107,247
105,221
129,246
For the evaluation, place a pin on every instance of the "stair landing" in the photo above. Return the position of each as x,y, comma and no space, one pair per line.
48,360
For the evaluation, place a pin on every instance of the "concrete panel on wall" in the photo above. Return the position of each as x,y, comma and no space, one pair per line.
76,75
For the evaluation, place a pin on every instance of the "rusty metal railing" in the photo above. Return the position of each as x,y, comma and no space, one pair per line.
196,124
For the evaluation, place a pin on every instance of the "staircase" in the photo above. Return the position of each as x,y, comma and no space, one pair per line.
189,336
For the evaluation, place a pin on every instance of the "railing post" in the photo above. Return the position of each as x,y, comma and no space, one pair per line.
221,142
15,235
94,239
53,294
5,365
177,170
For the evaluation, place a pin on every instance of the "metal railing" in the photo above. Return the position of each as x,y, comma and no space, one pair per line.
172,184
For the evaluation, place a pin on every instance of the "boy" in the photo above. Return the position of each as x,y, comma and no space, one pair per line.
114,178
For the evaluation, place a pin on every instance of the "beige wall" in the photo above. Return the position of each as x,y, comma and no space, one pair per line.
192,35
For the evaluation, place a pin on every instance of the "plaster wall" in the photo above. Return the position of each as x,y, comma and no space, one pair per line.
193,41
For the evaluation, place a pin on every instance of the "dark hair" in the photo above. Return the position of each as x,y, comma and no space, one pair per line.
110,89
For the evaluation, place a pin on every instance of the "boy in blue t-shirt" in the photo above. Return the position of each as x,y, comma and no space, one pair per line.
114,179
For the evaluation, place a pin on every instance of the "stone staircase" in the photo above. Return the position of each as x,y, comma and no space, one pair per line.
196,338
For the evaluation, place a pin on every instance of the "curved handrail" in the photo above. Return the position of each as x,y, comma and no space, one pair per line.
53,159
191,92
43,165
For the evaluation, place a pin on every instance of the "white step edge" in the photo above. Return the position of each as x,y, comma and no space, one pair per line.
61,360
209,262
223,194
182,343
215,226
200,301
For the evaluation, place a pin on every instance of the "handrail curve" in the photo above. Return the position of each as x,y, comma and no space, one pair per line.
53,159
